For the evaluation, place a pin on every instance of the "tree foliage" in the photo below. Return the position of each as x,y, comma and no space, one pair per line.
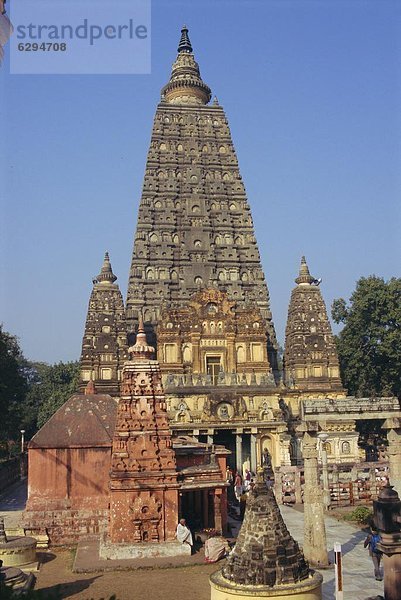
30,392
13,387
54,385
369,345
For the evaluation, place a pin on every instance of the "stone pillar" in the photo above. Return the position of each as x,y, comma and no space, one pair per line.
217,511
315,547
278,485
325,473
205,514
196,363
210,438
253,453
231,359
285,441
238,448
298,487
387,519
394,451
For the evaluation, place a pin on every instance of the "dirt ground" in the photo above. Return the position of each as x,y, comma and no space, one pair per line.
181,583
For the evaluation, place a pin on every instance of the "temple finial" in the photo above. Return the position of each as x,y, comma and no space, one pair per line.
141,349
141,326
304,275
106,274
185,44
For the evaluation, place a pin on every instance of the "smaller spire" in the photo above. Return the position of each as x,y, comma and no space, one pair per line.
106,274
304,275
141,349
185,43
141,335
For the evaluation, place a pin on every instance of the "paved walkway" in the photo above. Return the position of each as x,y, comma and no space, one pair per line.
359,581
12,503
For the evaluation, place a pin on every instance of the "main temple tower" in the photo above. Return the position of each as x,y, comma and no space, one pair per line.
194,227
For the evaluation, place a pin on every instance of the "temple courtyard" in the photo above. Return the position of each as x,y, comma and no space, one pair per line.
168,580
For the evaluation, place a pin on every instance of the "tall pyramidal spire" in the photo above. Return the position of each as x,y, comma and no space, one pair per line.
194,226
310,358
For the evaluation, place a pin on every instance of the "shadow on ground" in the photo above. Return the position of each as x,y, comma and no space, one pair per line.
328,589
44,557
65,590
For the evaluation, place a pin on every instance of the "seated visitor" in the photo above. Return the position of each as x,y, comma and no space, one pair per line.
216,547
183,533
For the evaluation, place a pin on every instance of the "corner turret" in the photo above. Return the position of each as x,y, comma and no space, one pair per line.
104,344
310,357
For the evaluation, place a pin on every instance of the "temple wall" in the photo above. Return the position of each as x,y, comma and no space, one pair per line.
154,515
68,478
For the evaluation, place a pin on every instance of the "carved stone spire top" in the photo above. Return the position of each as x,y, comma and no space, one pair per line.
304,276
106,275
186,85
140,350
185,44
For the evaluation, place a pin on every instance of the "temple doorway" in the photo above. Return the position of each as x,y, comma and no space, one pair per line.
197,508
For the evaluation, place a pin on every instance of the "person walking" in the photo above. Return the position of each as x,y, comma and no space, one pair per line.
238,488
371,542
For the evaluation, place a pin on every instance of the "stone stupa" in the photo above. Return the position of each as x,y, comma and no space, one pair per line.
266,561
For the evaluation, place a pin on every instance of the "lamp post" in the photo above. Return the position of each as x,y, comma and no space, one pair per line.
326,488
22,440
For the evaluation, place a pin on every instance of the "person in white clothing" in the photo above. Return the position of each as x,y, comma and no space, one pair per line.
183,533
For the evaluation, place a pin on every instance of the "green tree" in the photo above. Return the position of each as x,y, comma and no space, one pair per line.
53,386
13,387
369,345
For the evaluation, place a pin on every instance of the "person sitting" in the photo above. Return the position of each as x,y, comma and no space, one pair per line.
183,533
216,548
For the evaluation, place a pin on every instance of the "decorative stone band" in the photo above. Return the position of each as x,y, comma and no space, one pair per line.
307,589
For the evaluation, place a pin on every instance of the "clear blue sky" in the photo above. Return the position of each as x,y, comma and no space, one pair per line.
312,92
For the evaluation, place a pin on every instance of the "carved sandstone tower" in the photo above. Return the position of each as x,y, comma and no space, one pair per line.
194,224
143,477
104,345
310,359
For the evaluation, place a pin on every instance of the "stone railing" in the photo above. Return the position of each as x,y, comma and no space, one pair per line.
350,405
349,484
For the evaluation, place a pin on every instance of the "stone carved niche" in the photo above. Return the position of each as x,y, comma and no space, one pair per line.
146,515
225,411
183,414
266,413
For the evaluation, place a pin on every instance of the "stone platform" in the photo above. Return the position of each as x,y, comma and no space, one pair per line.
111,551
88,560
